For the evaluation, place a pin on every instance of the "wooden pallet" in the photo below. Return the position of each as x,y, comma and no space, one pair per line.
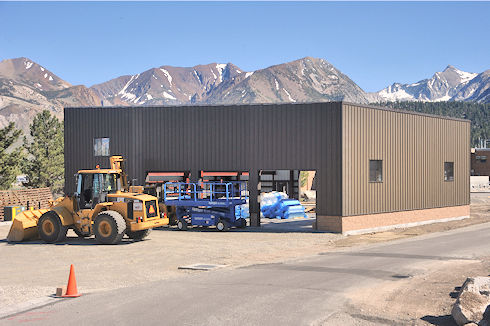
37,198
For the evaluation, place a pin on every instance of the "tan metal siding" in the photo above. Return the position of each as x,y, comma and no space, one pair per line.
413,149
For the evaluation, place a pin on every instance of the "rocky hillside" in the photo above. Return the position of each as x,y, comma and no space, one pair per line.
475,90
303,80
451,84
27,88
167,85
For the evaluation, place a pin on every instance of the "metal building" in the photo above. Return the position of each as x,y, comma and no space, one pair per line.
375,167
480,161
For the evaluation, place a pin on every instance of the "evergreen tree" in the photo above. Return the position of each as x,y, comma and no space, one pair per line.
9,158
45,164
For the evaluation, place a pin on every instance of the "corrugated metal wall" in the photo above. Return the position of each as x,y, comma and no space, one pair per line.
413,149
287,137
214,138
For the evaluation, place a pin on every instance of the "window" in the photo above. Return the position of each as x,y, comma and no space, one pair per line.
448,171
375,171
483,159
101,147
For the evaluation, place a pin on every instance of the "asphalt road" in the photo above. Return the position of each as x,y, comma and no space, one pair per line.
298,292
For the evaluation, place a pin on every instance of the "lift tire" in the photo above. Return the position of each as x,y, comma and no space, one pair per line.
222,225
109,227
50,228
138,235
242,223
182,225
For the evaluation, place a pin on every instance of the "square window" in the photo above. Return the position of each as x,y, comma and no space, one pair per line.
483,159
101,147
448,171
375,171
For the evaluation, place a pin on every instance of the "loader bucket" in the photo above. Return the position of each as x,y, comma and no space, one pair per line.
24,225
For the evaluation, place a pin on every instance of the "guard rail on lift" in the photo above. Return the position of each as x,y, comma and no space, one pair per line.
205,193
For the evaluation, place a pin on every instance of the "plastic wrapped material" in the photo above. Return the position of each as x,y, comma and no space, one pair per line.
242,211
278,205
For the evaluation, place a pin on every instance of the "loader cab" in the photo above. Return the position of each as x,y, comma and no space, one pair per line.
93,188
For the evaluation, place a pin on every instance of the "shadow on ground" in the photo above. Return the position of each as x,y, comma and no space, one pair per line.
301,225
70,241
446,320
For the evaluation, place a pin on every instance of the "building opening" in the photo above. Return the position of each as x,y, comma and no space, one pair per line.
287,199
155,180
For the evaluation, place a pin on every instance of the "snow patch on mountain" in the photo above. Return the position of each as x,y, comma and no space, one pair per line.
220,67
167,74
465,76
289,96
395,93
167,95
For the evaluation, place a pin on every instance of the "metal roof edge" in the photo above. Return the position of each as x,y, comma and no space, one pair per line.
197,105
374,107
368,106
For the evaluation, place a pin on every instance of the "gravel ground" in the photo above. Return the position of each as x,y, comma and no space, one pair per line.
34,269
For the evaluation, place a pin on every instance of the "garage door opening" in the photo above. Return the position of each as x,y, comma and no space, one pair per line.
307,191
155,180
224,176
287,200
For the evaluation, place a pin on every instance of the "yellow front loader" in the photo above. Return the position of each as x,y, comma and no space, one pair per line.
103,205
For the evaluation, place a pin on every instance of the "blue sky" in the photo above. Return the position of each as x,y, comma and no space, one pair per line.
374,43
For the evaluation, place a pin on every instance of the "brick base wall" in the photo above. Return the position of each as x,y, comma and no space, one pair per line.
383,221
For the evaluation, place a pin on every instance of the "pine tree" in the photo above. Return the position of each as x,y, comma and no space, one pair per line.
9,158
45,164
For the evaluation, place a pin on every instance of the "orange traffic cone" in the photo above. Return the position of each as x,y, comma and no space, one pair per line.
71,288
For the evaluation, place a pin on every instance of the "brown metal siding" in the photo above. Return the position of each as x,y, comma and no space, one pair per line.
479,167
214,138
413,149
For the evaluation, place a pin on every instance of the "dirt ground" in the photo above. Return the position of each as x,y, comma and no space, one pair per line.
425,299
33,270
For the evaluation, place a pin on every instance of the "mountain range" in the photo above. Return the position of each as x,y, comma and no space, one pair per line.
27,88
451,84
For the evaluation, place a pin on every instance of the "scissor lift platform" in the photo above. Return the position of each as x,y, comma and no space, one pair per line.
206,203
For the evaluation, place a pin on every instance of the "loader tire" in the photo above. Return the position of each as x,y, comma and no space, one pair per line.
138,235
50,228
109,227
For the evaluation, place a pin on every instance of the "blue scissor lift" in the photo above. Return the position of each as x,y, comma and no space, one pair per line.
206,203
